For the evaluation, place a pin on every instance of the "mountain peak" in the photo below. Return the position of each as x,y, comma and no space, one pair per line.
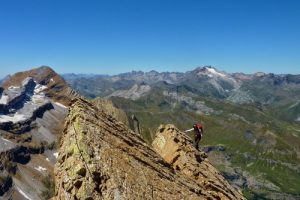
153,72
39,74
209,71
57,88
213,72
259,74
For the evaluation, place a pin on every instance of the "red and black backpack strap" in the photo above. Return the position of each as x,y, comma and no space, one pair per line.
200,127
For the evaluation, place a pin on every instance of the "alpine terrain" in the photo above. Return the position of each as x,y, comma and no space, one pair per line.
57,144
251,121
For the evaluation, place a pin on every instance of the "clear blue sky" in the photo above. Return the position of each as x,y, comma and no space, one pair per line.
109,37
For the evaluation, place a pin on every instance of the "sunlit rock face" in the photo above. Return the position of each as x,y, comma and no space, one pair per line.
177,150
100,158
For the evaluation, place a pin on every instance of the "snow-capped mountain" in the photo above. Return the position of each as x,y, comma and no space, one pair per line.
260,88
33,107
210,72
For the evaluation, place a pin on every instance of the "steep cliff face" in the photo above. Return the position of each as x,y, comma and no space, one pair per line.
100,158
177,149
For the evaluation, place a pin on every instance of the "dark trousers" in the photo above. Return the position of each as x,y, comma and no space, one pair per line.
197,140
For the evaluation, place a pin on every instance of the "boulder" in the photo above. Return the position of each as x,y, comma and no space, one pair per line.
177,149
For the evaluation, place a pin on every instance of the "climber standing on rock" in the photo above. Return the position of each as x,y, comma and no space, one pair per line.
198,132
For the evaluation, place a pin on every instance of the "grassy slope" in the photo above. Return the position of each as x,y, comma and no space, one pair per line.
274,139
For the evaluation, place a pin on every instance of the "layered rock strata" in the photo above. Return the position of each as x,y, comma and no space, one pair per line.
177,150
100,158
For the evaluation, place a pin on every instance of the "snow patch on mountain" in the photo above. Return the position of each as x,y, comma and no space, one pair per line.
39,88
23,193
4,99
13,118
40,169
55,155
34,101
212,71
13,88
221,81
61,105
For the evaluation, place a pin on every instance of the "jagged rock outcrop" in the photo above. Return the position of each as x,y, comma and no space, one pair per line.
108,106
177,149
100,158
135,124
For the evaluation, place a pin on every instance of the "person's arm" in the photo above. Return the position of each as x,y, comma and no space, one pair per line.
189,130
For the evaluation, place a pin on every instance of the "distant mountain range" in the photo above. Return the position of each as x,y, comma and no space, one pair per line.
263,90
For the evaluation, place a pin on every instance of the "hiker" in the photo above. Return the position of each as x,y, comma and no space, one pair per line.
198,131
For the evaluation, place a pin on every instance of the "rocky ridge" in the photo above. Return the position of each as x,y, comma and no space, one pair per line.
100,158
260,163
108,106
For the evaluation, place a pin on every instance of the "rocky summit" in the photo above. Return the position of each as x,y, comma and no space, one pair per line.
100,158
